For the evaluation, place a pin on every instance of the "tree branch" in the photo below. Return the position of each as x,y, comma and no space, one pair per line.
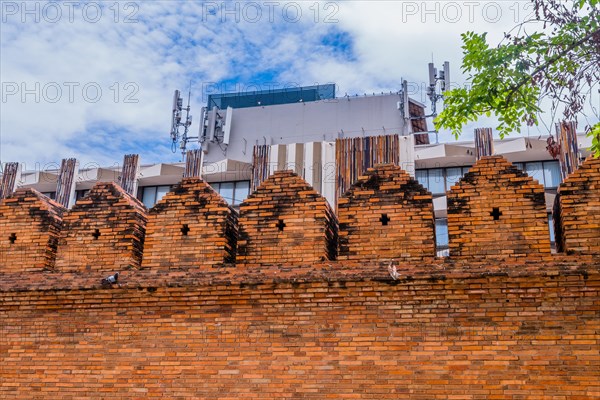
549,62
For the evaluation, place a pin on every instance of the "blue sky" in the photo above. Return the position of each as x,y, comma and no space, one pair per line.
95,81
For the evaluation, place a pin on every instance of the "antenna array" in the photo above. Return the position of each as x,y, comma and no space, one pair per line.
176,122
435,76
216,125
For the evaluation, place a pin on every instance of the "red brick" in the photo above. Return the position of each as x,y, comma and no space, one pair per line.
286,221
209,224
522,228
386,194
119,219
576,219
30,225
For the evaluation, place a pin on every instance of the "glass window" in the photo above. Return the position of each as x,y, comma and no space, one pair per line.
436,181
453,175
149,196
161,191
80,194
535,170
51,195
441,232
153,194
226,191
242,190
232,192
551,174
518,165
551,227
421,176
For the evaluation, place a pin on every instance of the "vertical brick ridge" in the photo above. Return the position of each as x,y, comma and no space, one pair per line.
386,214
286,221
30,225
497,210
578,221
104,231
191,226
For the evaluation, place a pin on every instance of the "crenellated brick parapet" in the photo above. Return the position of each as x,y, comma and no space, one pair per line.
386,214
289,321
577,212
497,210
286,221
30,225
191,226
494,211
104,232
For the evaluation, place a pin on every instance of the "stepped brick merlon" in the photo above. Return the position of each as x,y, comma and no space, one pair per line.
191,226
386,214
286,221
497,210
104,231
30,225
500,318
578,222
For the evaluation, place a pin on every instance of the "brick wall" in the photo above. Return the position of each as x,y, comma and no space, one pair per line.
286,221
287,321
577,217
497,210
104,231
29,227
345,331
191,226
386,214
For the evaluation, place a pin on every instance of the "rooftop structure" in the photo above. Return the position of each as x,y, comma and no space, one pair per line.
271,97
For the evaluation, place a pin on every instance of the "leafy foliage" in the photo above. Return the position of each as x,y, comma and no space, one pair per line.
560,62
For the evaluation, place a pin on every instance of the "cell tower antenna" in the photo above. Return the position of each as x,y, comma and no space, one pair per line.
436,76
176,122
443,77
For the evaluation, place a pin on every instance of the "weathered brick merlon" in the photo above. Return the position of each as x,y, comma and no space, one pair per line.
495,210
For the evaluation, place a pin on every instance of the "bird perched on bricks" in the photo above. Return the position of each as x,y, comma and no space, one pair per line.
110,280
392,270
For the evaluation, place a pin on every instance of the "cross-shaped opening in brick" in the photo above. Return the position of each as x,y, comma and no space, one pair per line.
281,225
384,219
96,234
185,229
12,238
496,213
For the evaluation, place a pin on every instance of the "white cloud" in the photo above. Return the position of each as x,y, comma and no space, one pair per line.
175,41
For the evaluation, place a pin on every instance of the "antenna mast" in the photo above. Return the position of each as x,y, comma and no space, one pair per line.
435,76
176,121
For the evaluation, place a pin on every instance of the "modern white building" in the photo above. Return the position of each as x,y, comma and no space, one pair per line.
303,135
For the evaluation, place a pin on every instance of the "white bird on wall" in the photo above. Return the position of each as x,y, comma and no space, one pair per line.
393,271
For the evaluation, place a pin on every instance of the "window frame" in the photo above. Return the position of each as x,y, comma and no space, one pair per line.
427,171
234,201
142,193
523,167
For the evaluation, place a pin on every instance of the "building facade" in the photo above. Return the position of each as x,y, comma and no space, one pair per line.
329,141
